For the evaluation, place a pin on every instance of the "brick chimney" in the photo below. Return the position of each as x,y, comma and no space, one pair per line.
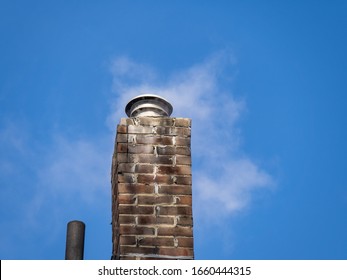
152,183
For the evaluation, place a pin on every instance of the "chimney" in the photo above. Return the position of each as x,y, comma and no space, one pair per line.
152,183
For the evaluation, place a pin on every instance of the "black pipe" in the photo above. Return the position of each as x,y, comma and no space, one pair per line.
75,240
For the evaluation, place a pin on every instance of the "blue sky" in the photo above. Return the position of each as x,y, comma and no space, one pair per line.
264,82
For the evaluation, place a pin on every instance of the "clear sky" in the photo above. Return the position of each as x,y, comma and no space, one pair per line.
265,83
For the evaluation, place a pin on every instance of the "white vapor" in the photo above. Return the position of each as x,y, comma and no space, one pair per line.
223,178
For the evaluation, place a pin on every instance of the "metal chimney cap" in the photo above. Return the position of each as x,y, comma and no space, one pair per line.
148,105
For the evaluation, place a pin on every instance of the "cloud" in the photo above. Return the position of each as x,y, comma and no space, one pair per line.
223,176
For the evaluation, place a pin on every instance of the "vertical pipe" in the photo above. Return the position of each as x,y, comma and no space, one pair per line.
75,240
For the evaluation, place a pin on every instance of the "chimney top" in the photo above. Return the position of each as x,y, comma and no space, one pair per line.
148,105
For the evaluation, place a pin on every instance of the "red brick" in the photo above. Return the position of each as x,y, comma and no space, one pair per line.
175,189
151,220
127,240
175,210
126,219
135,188
126,198
128,229
185,242
175,231
182,169
176,252
155,200
125,209
156,241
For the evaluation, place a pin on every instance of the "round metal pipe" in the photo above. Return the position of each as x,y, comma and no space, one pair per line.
75,240
148,105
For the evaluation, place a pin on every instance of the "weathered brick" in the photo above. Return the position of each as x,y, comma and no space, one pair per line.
151,200
185,242
183,180
183,200
140,149
126,198
175,189
140,129
127,178
122,148
126,219
184,160
135,188
151,189
153,121
135,168
138,250
182,141
182,169
122,138
125,209
182,151
183,122
129,229
153,159
156,241
128,240
175,210
151,220
122,129
154,139
175,231
185,221
160,179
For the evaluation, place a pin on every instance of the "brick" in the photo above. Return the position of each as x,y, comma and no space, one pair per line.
185,151
151,200
135,168
122,128
128,258
128,240
160,179
183,122
175,231
127,178
140,129
135,188
183,180
176,252
184,160
151,220
155,140
126,219
175,189
185,221
128,229
138,250
156,241
122,157
122,147
140,149
153,121
183,170
183,200
182,141
126,198
175,210
166,150
152,159
122,138
125,209
185,242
